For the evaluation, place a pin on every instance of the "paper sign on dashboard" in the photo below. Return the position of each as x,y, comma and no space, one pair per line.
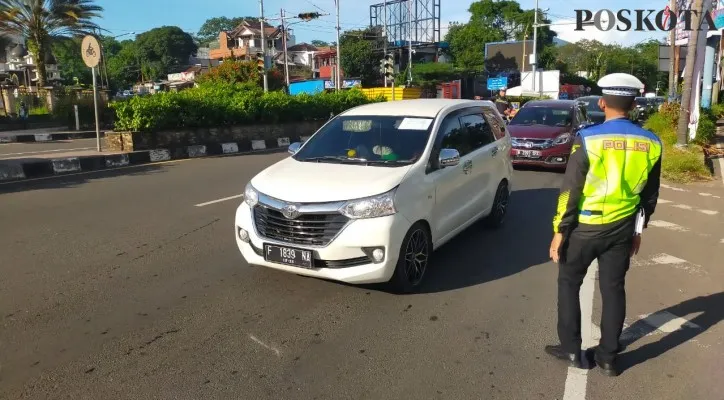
415,124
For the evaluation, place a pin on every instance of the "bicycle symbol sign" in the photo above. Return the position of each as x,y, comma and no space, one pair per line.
90,51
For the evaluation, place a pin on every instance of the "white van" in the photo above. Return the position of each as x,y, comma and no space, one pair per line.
370,195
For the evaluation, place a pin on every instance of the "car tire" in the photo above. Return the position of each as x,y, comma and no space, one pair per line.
414,259
497,215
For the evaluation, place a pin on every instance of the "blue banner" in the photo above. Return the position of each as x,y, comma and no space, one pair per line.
497,83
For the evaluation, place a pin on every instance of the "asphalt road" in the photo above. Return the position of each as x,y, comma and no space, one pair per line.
114,285
45,149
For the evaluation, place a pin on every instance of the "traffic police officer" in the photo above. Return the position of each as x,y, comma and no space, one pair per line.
612,176
502,104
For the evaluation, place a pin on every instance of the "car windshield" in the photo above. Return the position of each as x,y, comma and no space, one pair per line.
591,104
368,140
543,116
641,101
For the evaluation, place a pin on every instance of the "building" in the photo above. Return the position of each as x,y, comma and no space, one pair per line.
325,63
300,55
17,66
244,41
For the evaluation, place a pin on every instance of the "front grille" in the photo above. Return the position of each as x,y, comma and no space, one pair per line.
306,229
520,143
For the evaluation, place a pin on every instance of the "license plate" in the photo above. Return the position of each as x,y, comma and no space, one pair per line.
528,153
288,256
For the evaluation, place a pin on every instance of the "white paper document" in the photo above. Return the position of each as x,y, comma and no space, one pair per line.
640,218
415,124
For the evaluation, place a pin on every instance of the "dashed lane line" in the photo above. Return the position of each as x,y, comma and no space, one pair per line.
703,194
219,200
668,225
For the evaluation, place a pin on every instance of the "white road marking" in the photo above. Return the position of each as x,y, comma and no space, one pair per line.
687,207
668,225
667,322
667,259
219,200
264,345
577,379
673,188
705,194
721,241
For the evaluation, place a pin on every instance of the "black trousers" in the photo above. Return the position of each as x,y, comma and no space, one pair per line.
613,250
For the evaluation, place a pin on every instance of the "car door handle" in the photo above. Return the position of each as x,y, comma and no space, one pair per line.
495,151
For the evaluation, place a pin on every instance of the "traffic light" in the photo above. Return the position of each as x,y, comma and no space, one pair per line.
309,16
260,67
388,66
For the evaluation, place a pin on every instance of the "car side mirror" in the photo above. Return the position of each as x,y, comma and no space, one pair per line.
449,158
294,147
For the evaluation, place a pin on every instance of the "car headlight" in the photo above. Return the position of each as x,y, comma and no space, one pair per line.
251,196
370,207
562,139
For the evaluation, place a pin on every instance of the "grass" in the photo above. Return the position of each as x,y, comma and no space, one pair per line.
680,165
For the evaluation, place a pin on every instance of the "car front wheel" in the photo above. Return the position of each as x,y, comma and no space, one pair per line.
414,258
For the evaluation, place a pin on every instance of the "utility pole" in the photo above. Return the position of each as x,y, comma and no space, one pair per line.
672,52
284,43
263,44
338,84
409,35
535,45
384,5
685,112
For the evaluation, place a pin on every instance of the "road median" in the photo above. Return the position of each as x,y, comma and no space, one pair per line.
18,169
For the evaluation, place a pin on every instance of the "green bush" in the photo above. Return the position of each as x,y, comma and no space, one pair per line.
717,111
706,129
212,105
678,165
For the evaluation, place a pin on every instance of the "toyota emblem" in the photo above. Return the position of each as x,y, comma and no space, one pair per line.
290,211
528,145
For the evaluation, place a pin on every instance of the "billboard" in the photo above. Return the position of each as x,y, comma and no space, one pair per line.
508,56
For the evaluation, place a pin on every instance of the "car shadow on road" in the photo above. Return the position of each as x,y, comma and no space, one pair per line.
710,310
478,255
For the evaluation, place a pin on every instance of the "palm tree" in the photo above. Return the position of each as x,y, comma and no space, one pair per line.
41,21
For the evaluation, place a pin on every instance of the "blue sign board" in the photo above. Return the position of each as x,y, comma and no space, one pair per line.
497,83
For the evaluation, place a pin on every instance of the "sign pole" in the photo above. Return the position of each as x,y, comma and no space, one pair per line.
95,109
91,54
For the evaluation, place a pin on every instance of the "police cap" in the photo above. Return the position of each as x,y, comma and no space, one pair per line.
620,84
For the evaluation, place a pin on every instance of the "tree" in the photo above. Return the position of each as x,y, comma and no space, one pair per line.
358,54
210,30
494,21
67,52
164,50
40,22
467,44
319,43
124,67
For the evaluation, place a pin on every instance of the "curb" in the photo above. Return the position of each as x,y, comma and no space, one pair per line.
17,171
47,137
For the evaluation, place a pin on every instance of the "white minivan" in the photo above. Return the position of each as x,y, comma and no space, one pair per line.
370,195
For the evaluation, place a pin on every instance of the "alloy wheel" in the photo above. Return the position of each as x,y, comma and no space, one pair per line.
416,256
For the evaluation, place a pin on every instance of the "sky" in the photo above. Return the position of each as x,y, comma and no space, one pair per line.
127,16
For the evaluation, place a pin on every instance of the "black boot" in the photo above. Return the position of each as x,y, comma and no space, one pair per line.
573,359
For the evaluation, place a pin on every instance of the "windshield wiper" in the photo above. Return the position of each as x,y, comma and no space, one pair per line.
389,162
339,159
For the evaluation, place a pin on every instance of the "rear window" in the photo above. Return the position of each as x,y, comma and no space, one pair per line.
543,116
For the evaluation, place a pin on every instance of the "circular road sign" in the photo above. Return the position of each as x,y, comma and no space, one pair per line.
90,50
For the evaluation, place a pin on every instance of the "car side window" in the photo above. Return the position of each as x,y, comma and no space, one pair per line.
479,131
582,118
496,123
449,136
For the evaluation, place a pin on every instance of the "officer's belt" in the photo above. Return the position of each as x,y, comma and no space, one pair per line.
591,212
